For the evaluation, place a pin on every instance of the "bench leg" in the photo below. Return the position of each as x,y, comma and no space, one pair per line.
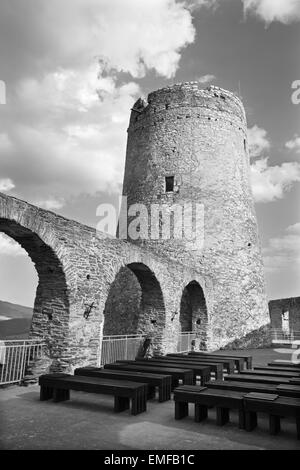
200,412
60,395
175,383
46,393
250,420
274,422
222,415
219,375
163,393
242,419
181,409
151,393
121,404
139,402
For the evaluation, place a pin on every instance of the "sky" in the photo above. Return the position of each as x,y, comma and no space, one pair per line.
73,69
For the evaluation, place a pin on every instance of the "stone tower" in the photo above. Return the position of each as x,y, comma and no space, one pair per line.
188,145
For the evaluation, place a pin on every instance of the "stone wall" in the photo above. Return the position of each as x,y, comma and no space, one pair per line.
279,306
77,268
199,137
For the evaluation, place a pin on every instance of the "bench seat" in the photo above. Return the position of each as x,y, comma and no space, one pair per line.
58,386
271,373
162,382
245,358
228,364
183,374
265,379
204,398
202,370
283,389
276,409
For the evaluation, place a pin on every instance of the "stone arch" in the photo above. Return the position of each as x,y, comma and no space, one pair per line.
144,287
51,306
193,312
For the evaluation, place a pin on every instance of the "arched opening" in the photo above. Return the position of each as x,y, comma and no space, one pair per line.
51,304
193,312
18,284
135,304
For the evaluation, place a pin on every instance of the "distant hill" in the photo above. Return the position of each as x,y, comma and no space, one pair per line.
18,325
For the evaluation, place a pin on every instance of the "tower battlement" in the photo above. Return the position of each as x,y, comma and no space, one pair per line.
212,102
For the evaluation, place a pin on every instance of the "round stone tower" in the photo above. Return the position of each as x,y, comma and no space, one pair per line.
187,148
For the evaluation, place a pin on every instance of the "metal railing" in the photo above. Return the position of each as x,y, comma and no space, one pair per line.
119,347
185,341
280,336
15,355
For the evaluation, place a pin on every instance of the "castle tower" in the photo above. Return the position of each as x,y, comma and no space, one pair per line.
188,145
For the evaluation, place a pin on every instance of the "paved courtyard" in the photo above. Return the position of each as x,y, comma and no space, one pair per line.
88,422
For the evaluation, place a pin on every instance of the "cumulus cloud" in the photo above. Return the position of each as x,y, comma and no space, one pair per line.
258,141
9,247
64,133
6,184
283,252
284,11
270,183
294,144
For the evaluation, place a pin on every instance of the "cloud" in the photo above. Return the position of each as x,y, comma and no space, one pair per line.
270,183
129,35
206,78
64,131
294,144
6,184
9,247
283,252
284,11
258,141
75,139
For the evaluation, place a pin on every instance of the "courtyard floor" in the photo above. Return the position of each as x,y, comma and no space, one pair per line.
88,422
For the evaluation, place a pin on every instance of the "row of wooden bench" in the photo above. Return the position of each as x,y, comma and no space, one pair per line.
273,389
138,380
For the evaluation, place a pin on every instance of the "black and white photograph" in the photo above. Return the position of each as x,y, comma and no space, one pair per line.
150,228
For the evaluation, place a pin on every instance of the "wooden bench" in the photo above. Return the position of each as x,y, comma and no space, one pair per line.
277,408
245,358
295,381
286,390
203,370
271,373
279,369
228,364
185,375
284,364
238,362
204,398
162,382
266,379
58,386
